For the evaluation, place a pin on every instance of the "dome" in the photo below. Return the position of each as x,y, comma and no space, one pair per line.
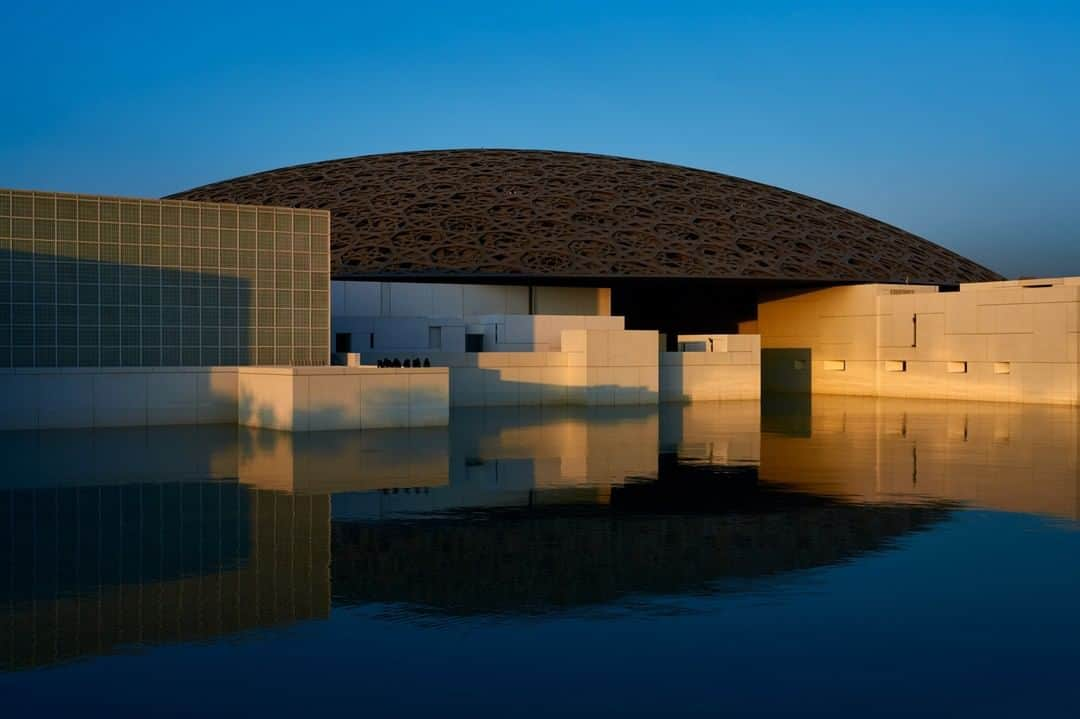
504,214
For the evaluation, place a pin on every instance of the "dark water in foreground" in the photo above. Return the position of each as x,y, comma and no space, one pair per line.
857,557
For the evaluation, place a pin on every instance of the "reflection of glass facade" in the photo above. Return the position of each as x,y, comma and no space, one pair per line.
92,569
91,281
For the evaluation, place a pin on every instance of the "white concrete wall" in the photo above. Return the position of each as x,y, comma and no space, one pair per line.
595,367
410,334
301,399
571,300
621,366
1002,341
537,333
116,397
731,373
399,315
836,324
422,299
502,332
298,399
995,341
449,300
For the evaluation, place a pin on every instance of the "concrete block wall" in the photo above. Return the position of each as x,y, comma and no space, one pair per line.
294,399
733,373
401,334
1008,342
591,301
301,399
839,324
116,397
424,299
621,366
430,299
597,367
502,332
538,333
1015,341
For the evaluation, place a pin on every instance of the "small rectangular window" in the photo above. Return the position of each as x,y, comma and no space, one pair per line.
1002,368
957,368
896,365
835,365
343,342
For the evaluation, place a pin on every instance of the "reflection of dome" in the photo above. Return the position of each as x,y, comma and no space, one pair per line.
716,527
536,214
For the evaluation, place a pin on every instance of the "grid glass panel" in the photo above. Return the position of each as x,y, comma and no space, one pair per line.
91,281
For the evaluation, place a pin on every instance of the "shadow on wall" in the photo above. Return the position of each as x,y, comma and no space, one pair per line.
493,388
66,310
264,414
474,386
360,401
786,370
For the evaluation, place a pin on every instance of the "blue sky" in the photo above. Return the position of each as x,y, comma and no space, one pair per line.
957,121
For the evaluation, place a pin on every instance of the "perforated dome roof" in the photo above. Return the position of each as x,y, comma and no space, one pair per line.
536,214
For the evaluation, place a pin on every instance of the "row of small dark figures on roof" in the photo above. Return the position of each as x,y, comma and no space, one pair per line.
403,363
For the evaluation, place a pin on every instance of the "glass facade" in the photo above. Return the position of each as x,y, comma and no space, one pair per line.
90,281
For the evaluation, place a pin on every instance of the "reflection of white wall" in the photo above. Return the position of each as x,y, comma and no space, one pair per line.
1012,457
515,458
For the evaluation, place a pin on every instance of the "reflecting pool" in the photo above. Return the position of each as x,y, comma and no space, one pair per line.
834,556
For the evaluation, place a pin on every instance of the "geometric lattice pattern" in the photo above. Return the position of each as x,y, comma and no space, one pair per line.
89,281
537,214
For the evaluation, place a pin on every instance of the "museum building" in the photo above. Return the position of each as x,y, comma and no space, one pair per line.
518,278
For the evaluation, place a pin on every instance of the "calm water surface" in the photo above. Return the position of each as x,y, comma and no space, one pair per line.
846,557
